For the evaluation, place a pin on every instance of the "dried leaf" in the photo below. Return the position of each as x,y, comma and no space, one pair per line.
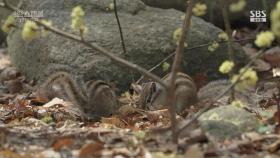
114,121
272,56
91,150
62,143
55,101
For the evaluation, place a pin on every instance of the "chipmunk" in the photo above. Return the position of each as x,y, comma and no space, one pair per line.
153,95
95,99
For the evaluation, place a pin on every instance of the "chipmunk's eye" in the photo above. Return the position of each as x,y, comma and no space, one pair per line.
153,87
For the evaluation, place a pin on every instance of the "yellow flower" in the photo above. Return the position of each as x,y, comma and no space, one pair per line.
165,66
83,29
199,9
226,66
8,24
223,36
77,12
237,103
111,6
264,39
250,76
78,19
29,31
248,79
238,6
215,45
44,31
275,20
177,34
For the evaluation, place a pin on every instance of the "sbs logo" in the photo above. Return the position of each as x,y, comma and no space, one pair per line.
257,16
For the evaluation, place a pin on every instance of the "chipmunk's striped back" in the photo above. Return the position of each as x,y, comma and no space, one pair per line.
101,98
61,84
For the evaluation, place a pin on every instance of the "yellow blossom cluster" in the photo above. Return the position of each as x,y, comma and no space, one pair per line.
223,36
226,67
77,16
111,6
8,24
177,34
264,39
30,30
199,9
165,66
275,20
215,45
248,79
238,6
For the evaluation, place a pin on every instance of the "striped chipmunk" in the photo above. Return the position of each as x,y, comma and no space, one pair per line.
153,95
95,99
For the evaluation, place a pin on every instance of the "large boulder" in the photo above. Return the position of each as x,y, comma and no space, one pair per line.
147,32
214,14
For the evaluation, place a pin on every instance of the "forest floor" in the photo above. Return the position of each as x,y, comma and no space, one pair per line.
34,127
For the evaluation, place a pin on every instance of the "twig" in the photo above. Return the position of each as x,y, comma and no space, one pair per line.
94,46
222,94
175,68
191,48
224,6
119,25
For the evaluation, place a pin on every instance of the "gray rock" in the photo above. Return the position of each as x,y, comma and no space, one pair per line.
227,122
148,37
247,96
214,12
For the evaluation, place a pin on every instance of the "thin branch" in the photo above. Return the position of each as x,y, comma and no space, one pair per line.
119,25
94,46
187,124
175,68
224,6
191,48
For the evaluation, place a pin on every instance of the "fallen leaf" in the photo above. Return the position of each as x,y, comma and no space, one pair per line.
91,150
62,143
272,56
113,121
55,101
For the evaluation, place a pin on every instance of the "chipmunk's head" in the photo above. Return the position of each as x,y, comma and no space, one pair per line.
150,92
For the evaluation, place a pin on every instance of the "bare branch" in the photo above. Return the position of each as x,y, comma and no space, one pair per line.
94,46
170,101
224,6
119,25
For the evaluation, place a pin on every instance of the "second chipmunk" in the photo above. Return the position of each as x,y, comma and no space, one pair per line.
153,94
95,99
